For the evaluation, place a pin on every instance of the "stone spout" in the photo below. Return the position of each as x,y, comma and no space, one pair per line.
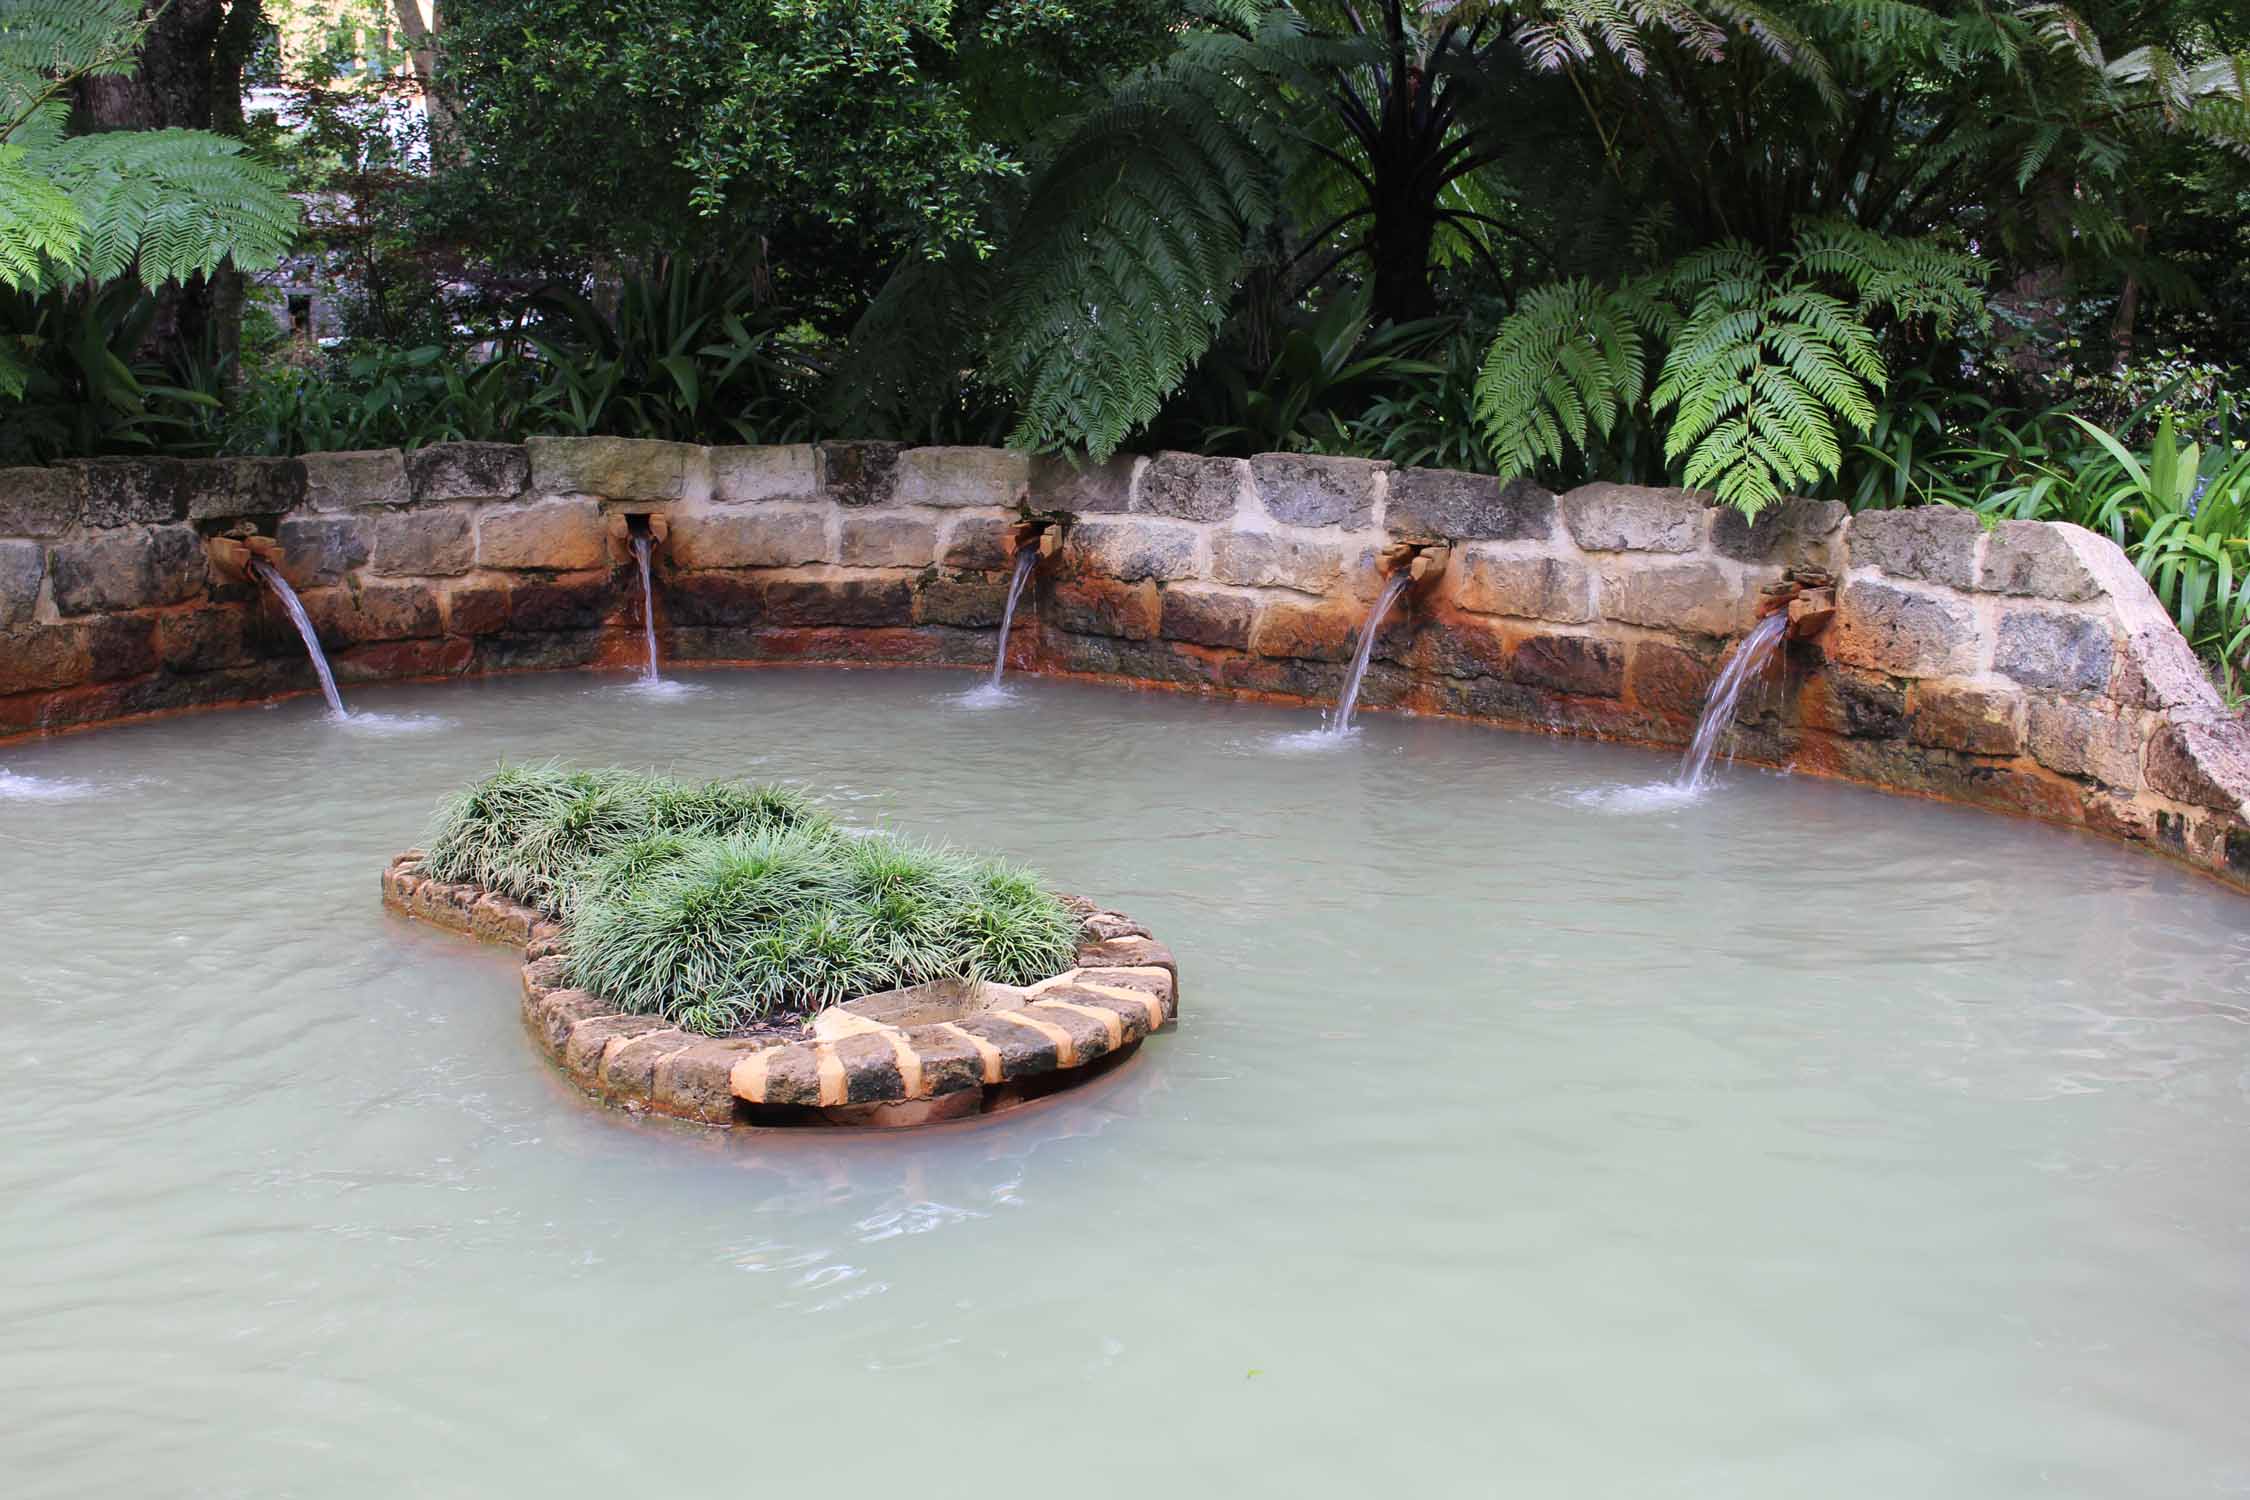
1038,534
232,555
624,526
1807,596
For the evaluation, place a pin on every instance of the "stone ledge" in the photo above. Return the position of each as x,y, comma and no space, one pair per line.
896,1058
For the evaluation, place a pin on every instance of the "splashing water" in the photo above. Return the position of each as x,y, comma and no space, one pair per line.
296,608
1026,560
1749,660
642,546
1396,586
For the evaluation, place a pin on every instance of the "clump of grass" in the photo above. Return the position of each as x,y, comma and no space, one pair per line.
476,830
1011,929
734,807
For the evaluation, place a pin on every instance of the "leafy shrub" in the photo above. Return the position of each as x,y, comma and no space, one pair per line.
717,903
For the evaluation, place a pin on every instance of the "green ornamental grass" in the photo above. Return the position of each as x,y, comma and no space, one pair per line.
716,904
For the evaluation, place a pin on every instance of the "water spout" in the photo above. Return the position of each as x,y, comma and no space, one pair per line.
1749,660
643,545
1027,558
267,574
1395,585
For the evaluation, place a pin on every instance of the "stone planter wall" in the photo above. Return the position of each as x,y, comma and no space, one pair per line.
2025,667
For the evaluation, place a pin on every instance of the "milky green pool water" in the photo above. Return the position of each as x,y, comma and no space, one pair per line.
1518,1140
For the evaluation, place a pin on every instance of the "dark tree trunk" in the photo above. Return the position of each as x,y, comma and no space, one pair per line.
1404,232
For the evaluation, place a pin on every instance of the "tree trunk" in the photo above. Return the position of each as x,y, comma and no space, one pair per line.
1405,229
421,52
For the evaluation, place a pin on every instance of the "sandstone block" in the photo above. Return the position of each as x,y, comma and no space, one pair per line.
1301,489
127,569
976,542
38,658
1070,484
581,603
1263,559
1529,586
998,478
23,567
1440,505
1630,518
349,481
839,601
1853,703
614,468
1105,606
131,491
1130,549
1903,631
1697,597
1795,533
2206,763
373,612
859,473
1584,665
434,541
1190,487
2036,558
1973,719
2084,739
1935,543
38,502
781,471
888,541
970,603
1669,679
1326,631
320,550
2066,653
476,609
467,471
2158,669
556,535
1208,617
217,488
120,646
760,538
204,640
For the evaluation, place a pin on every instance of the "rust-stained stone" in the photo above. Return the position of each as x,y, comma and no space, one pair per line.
23,567
950,1063
373,612
1580,664
436,540
1524,585
1128,953
1976,720
1105,606
1853,702
1131,1008
2204,763
551,973
1130,548
1903,630
977,543
583,1049
132,568
971,601
1695,596
34,658
1669,678
1208,617
1323,631
550,535
1158,982
2095,740
839,601
476,609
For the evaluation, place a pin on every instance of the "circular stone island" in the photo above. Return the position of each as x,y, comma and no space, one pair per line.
901,1057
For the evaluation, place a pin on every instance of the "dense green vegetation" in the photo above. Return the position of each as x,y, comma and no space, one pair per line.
714,904
1893,251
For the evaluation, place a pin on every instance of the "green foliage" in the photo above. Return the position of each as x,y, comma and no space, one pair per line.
715,904
86,387
1321,370
159,205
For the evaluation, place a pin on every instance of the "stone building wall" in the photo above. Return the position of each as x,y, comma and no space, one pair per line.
2026,666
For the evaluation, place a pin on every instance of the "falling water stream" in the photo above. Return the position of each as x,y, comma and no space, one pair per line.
1749,660
1026,560
642,546
272,579
1395,586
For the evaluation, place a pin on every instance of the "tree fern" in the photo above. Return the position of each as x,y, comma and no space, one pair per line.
1559,373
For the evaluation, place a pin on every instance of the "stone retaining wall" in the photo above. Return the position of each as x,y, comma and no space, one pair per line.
2026,666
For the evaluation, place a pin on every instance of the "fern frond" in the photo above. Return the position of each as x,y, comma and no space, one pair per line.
1561,370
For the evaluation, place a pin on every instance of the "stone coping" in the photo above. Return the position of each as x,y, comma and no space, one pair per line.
897,1058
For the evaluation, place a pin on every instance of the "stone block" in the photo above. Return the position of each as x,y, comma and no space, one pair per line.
1853,703
131,491
2158,669
121,646
2036,558
475,609
2086,739
1935,543
778,471
1208,617
1262,559
960,478
839,601
1191,487
350,481
614,468
1130,549
1631,518
1792,534
971,603
205,640
1973,719
555,535
373,612
1903,631
859,473
1697,597
1526,585
760,538
1069,483
2062,652
1105,606
1301,489
2206,763
40,658
127,569
977,542
320,550
1585,665
38,502
887,541
545,605
221,488
1669,679
433,541
715,599
1326,631
467,471
1440,505
23,567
